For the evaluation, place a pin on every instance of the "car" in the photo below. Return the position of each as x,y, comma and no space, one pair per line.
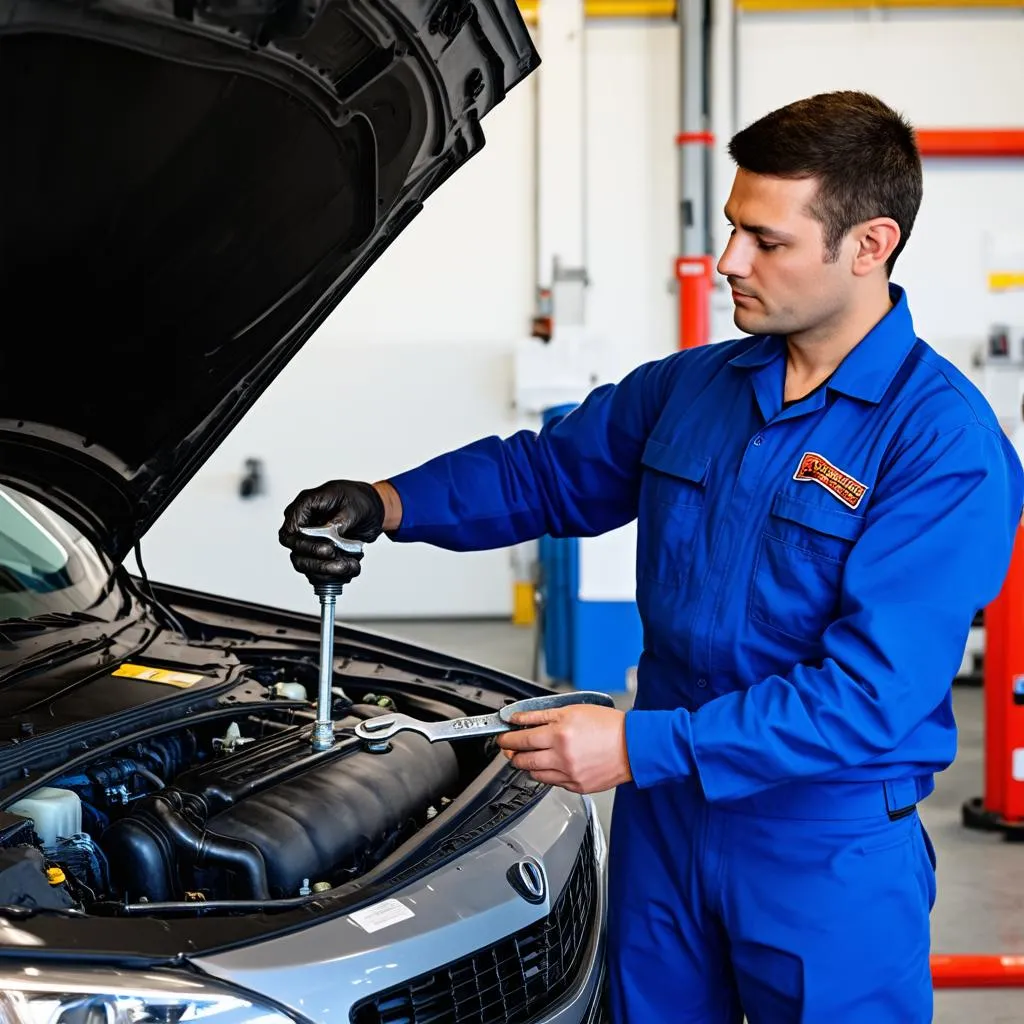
191,186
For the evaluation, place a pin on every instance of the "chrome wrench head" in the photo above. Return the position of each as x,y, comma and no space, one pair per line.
379,729
331,533
384,727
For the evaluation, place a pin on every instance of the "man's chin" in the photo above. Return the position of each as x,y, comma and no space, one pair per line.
749,322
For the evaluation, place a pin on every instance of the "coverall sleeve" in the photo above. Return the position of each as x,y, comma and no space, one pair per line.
579,476
935,548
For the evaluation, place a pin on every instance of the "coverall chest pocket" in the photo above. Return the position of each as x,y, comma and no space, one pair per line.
798,572
672,496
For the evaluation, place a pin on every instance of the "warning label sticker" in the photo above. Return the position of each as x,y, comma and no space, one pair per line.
381,915
819,470
183,680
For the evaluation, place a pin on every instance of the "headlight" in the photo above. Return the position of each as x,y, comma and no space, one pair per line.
56,995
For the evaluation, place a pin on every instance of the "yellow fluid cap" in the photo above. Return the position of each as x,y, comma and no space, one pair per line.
54,876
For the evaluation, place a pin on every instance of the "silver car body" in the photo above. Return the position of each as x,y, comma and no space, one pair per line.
458,912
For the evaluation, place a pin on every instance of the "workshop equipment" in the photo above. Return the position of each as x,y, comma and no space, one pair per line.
328,591
1001,807
378,730
969,970
695,265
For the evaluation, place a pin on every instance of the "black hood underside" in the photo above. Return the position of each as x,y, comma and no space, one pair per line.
189,190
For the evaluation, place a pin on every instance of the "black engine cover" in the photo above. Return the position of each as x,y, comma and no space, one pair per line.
337,816
258,823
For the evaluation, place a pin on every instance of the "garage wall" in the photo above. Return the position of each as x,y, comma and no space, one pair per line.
632,229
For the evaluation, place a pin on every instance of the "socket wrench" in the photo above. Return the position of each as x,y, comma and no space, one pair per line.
328,591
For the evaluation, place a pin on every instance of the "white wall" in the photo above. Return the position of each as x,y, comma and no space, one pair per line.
632,230
632,223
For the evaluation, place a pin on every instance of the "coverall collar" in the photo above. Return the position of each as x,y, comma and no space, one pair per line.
869,368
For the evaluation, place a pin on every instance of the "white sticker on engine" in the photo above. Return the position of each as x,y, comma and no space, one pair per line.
381,915
1017,765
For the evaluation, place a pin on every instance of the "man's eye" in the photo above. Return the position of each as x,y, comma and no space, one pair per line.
767,246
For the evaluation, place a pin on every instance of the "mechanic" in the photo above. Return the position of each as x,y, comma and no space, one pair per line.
823,506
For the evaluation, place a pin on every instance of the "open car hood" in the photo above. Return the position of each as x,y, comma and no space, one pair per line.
190,187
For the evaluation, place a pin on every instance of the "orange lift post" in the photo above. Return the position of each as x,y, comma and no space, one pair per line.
1001,808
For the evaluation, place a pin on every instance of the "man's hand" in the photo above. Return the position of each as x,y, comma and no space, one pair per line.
580,748
359,511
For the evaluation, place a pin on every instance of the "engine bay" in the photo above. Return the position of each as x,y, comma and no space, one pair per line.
234,806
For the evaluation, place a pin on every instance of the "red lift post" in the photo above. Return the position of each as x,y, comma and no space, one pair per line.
694,274
1001,808
694,267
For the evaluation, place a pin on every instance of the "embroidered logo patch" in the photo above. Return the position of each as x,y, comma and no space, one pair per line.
817,468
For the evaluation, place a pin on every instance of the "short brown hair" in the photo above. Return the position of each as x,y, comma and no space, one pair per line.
862,152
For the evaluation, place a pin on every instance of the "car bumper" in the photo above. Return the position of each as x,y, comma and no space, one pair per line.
445,932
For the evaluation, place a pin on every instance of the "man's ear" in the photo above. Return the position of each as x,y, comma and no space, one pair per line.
875,241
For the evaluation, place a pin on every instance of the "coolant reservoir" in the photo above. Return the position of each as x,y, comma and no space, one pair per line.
290,691
54,813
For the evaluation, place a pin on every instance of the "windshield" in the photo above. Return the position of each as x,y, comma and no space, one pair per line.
47,566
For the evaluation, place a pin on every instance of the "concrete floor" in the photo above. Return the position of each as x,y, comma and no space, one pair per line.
980,906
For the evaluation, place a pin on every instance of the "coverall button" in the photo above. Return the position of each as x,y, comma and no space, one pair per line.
702,682
758,440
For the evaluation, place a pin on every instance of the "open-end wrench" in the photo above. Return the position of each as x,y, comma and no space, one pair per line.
331,533
327,590
382,728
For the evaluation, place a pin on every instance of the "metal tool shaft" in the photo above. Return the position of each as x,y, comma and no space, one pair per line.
323,730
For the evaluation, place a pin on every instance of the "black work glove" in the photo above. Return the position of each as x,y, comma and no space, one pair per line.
354,507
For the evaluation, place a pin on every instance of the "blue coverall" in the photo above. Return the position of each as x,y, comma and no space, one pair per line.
806,579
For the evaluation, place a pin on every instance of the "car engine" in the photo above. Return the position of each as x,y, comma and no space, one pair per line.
239,807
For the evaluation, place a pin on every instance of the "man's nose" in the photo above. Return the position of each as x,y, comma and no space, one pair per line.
734,262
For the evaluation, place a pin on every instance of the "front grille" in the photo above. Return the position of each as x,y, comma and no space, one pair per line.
512,981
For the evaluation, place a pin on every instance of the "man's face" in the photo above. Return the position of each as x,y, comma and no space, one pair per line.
775,260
